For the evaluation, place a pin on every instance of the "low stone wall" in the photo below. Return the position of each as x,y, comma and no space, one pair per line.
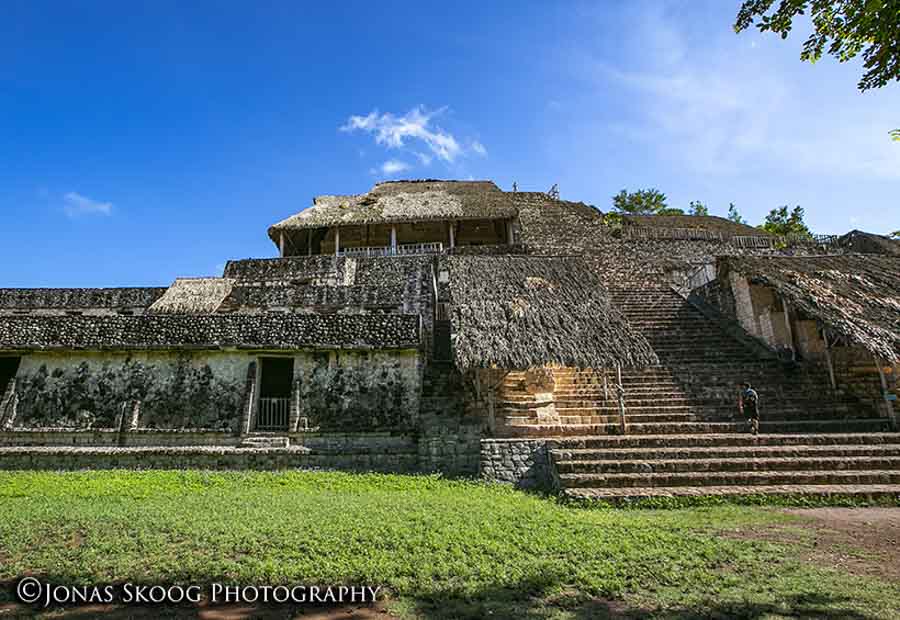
452,453
52,437
524,463
220,457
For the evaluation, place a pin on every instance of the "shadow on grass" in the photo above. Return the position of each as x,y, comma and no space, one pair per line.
534,599
527,604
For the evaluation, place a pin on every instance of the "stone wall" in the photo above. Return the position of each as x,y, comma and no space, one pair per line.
220,457
524,463
88,390
347,391
93,301
114,437
452,455
359,391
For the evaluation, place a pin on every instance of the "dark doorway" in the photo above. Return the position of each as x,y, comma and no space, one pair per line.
275,384
9,366
441,349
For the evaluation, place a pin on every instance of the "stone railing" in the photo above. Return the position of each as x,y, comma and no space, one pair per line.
405,249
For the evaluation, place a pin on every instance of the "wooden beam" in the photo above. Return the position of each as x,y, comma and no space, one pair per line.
337,241
393,238
787,326
828,359
281,243
620,389
888,404
452,234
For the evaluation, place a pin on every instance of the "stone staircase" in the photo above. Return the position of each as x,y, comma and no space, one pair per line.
625,468
694,389
683,435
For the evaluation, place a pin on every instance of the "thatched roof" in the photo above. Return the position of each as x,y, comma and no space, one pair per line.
855,296
516,312
712,223
404,201
558,226
193,296
869,243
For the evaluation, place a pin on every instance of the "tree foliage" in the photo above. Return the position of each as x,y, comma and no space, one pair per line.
734,216
698,208
784,222
895,234
642,202
845,27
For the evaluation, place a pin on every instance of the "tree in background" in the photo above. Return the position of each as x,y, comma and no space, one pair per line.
895,234
698,208
734,216
782,222
847,27
642,202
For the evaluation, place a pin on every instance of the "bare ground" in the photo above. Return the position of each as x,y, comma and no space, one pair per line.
859,541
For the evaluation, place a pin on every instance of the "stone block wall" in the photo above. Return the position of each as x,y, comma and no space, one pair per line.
89,390
358,390
524,463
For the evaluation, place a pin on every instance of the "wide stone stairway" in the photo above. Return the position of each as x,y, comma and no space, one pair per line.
682,433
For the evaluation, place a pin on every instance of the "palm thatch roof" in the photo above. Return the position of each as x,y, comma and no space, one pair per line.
404,201
193,296
712,223
869,243
517,312
855,296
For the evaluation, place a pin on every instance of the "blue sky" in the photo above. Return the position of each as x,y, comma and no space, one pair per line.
144,141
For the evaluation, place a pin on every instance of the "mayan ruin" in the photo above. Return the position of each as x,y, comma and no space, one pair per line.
454,327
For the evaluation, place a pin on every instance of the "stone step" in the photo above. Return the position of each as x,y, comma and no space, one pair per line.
737,478
678,428
630,494
726,452
601,419
264,441
725,440
730,464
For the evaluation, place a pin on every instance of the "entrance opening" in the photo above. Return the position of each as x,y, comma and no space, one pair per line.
441,351
276,381
9,366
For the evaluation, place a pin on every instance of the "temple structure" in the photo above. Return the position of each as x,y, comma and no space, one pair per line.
451,326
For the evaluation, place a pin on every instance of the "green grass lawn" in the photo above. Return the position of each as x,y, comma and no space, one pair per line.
443,548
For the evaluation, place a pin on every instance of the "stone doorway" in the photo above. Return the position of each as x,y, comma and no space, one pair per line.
275,384
9,366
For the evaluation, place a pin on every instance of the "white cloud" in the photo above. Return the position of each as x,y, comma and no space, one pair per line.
76,204
416,129
393,166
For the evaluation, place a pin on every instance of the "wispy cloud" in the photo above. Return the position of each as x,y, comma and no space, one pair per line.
393,166
416,133
76,204
395,131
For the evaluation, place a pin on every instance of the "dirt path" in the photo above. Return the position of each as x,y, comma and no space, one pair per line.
861,541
